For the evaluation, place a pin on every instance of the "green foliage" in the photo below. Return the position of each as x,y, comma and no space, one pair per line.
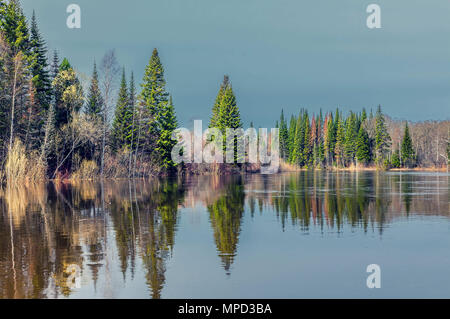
122,117
284,138
39,67
395,159
408,154
94,106
158,114
382,138
363,146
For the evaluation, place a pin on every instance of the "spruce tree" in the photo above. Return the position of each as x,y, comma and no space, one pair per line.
339,149
54,69
229,118
94,104
14,27
39,67
214,121
363,147
407,150
121,117
165,143
382,138
291,138
284,138
395,159
153,97
351,134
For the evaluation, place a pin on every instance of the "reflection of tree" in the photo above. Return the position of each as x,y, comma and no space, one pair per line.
157,230
225,214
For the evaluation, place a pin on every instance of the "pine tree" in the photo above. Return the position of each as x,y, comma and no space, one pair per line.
39,67
284,138
153,97
121,118
307,146
299,140
14,27
94,104
165,143
229,118
214,121
339,149
363,147
54,69
351,134
395,159
132,125
68,94
407,151
382,138
291,138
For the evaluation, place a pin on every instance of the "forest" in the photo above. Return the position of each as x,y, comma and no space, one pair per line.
53,128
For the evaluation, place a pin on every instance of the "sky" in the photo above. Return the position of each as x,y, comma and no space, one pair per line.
279,54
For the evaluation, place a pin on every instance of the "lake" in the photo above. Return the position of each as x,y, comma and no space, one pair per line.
293,235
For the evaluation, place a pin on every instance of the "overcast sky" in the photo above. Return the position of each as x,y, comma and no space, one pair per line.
279,53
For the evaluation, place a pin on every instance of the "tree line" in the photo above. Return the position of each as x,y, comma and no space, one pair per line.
358,139
50,128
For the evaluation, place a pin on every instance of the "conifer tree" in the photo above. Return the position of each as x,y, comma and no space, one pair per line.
395,159
54,69
382,138
351,134
39,67
214,121
407,150
291,138
339,149
165,143
229,118
363,146
307,146
94,104
284,137
121,118
153,97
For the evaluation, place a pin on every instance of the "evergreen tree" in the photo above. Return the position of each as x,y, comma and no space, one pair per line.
133,114
68,94
153,97
284,137
307,146
122,117
363,146
39,67
407,154
382,138
291,138
395,160
214,121
54,69
351,134
94,104
14,27
339,149
229,118
165,143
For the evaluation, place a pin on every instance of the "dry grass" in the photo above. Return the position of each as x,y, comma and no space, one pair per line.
22,167
88,171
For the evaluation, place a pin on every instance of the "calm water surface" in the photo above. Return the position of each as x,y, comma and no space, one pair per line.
300,235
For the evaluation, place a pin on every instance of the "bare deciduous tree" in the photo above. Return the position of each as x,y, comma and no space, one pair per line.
110,71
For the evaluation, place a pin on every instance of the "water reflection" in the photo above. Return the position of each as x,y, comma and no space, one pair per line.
110,227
